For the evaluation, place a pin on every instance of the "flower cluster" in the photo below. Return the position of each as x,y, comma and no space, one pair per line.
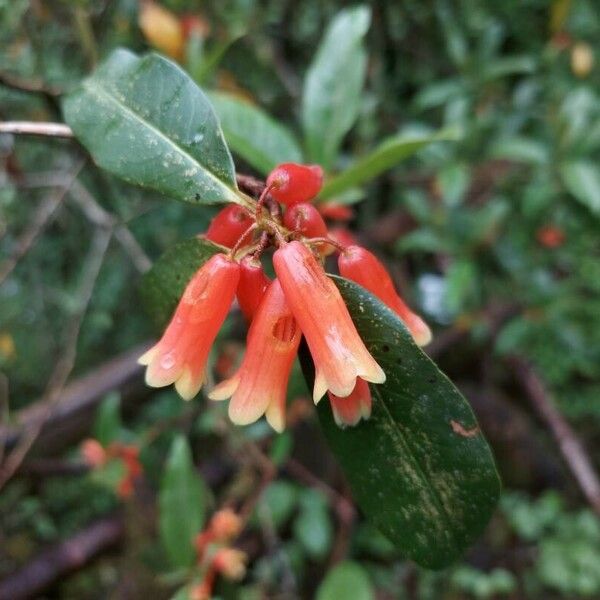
301,301
216,556
96,457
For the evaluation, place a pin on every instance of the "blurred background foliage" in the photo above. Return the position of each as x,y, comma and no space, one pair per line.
493,237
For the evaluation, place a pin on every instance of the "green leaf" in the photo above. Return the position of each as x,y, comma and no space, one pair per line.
278,502
333,86
346,580
389,153
182,504
582,179
419,468
520,148
163,285
254,135
145,120
107,424
312,527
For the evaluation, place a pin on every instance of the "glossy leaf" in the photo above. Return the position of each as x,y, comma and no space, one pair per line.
255,136
388,154
163,285
182,504
419,468
333,85
346,580
145,120
582,179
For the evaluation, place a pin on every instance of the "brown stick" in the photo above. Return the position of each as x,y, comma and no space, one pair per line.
79,400
61,559
569,444
59,130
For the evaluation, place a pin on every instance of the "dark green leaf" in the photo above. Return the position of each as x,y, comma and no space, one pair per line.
346,580
254,135
182,504
333,86
582,179
163,285
419,468
386,155
145,120
108,420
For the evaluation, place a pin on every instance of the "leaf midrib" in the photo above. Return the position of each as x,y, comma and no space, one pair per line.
417,465
90,86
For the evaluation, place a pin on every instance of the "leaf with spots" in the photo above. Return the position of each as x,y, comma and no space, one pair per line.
163,285
145,120
419,468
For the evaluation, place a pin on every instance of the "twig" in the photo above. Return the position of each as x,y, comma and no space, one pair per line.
61,559
569,444
66,362
94,212
36,128
78,403
41,218
97,215
31,86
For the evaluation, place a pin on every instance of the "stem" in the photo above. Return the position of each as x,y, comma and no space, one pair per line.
33,128
244,235
326,240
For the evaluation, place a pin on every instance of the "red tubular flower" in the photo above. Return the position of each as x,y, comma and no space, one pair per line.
228,226
357,406
252,286
260,385
337,350
359,265
292,183
180,355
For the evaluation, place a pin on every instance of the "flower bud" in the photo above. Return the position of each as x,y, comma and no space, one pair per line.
225,525
292,183
305,219
231,563
93,453
228,226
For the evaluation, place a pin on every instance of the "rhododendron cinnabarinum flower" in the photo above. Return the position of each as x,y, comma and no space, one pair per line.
353,408
339,354
359,265
180,355
260,385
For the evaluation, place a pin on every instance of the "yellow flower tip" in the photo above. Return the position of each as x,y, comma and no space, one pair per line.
225,389
420,331
244,414
275,418
375,374
320,387
157,380
146,358
187,386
